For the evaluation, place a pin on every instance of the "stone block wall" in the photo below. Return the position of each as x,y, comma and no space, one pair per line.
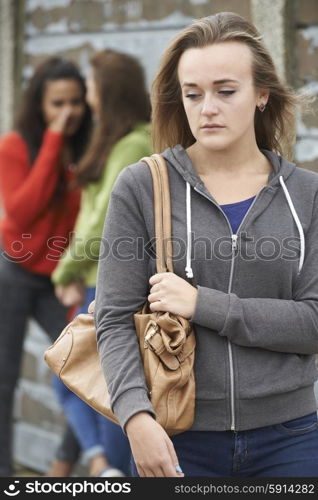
39,421
78,28
306,78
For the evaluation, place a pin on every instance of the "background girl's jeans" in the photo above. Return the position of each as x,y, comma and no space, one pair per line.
94,432
289,449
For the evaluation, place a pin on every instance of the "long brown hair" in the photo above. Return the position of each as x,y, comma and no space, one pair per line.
123,100
274,128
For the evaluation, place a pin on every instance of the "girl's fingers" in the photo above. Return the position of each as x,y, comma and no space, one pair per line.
155,288
140,471
177,471
154,297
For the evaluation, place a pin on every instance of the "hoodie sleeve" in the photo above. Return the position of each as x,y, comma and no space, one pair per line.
274,324
122,289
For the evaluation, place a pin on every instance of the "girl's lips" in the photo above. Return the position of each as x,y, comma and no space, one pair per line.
212,127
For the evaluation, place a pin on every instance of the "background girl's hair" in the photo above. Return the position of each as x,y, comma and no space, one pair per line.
124,101
30,121
274,128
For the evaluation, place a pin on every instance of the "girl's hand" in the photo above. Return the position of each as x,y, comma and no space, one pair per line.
151,447
173,294
59,123
70,295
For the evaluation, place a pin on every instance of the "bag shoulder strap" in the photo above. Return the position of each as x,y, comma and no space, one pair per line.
162,215
162,211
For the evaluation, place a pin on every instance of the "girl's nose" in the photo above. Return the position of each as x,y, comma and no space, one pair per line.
209,107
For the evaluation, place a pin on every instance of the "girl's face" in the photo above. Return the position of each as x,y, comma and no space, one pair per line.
64,94
218,94
92,94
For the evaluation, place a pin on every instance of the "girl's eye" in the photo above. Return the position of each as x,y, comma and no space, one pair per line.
191,96
226,92
57,104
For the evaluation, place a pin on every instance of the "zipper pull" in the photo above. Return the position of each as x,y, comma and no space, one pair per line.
234,242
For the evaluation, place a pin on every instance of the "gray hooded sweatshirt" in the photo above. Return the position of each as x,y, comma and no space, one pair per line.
256,315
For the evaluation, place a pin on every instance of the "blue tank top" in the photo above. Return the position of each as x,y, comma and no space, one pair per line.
235,212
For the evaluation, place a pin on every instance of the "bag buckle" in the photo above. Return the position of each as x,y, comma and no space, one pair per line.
150,333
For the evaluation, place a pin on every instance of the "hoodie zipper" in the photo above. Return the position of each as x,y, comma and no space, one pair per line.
234,238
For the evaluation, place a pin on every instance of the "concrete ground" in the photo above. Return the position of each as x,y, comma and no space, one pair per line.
22,471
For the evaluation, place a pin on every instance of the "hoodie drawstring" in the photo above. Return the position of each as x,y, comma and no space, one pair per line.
188,269
297,221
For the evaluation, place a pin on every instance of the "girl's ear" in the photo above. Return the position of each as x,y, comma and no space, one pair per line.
262,98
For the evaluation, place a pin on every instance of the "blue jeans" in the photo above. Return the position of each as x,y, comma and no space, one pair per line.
289,449
94,432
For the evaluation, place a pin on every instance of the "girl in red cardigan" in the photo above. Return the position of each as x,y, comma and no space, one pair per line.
40,202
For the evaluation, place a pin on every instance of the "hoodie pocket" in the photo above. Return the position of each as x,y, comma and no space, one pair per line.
272,373
299,426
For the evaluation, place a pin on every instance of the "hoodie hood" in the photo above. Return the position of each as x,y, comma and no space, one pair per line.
180,160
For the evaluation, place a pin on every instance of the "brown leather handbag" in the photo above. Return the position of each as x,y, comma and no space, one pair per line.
166,341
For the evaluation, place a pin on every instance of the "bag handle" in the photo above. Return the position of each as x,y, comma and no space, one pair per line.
162,212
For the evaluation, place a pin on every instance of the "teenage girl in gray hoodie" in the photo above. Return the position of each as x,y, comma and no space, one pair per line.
247,279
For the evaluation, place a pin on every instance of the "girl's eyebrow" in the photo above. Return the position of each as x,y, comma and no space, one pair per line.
225,80
215,82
